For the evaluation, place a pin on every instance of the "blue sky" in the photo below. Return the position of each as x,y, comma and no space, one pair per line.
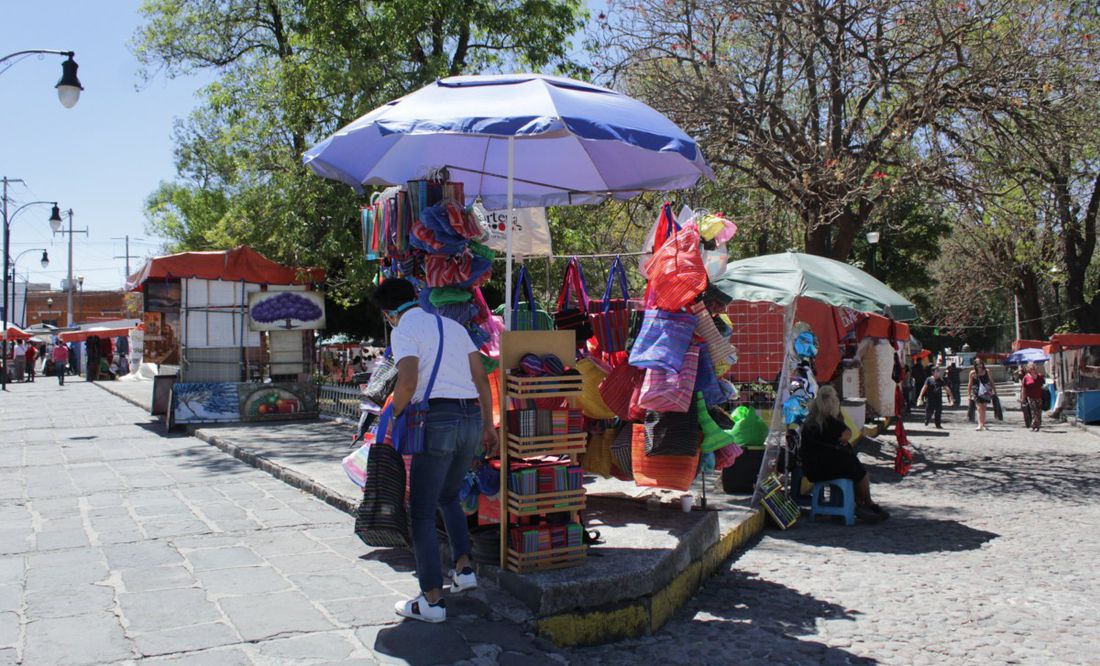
101,158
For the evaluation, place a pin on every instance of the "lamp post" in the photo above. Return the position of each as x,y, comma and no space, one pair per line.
45,262
873,238
8,218
55,224
68,87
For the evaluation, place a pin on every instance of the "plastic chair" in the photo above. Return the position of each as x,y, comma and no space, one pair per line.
843,506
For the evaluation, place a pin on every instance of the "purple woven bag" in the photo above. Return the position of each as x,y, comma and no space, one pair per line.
663,340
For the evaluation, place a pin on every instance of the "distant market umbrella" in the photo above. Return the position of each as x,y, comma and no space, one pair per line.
515,140
1030,355
782,278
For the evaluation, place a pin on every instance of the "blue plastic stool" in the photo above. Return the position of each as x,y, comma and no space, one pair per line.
844,506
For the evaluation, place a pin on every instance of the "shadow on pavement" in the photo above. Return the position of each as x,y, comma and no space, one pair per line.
765,621
398,559
905,533
1063,478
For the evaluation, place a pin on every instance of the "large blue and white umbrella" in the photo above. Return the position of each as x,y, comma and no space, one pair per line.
515,140
1026,355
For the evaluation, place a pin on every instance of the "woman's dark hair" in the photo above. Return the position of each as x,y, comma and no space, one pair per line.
393,293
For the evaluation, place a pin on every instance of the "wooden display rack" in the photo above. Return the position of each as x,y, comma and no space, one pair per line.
514,345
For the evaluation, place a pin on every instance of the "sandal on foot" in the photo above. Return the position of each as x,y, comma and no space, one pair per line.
420,609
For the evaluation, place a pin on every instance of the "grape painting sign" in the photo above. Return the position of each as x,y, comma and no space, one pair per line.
286,310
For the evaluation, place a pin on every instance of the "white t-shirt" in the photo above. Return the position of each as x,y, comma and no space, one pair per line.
417,335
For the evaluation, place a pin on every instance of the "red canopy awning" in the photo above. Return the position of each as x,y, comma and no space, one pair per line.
1017,345
1060,341
15,333
241,264
81,336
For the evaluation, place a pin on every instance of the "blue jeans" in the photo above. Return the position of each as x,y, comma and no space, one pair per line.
451,440
59,368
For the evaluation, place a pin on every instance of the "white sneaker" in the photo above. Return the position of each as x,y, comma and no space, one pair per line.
466,580
420,609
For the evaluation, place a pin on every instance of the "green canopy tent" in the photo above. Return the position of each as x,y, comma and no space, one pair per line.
782,278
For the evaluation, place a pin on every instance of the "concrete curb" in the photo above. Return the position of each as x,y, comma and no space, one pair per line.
284,474
647,614
125,397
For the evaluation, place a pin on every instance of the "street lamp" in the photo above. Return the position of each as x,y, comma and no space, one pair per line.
55,224
873,238
45,262
8,219
68,87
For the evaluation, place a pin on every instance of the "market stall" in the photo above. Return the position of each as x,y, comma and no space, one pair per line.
231,335
1075,364
826,322
518,141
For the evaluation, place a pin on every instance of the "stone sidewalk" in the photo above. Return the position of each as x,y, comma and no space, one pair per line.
120,544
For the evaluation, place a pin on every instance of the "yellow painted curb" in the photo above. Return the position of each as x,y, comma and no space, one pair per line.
648,614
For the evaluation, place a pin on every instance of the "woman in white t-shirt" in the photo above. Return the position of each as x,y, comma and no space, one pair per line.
460,416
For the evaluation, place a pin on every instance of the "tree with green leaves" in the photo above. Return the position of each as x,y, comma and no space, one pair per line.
289,72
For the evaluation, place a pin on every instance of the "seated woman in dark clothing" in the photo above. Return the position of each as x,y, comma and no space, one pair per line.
827,453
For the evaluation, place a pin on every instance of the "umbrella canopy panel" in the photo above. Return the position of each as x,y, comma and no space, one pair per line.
1026,355
239,264
12,332
780,278
580,143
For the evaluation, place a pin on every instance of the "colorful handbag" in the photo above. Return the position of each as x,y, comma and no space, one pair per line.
611,318
596,458
573,319
410,427
706,381
663,340
676,272
617,389
381,519
664,391
621,453
590,400
528,315
672,434
673,472
721,351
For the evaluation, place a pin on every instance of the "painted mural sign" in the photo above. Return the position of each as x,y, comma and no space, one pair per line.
233,402
286,310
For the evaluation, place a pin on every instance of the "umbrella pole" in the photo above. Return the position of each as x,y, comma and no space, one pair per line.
508,305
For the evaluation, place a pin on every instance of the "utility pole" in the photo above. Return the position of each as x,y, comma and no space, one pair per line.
127,256
69,279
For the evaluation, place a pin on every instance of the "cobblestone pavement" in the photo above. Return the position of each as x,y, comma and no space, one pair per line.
119,544
989,558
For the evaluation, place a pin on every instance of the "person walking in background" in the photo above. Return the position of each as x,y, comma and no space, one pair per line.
1032,388
932,396
30,357
429,348
19,359
981,389
954,382
60,362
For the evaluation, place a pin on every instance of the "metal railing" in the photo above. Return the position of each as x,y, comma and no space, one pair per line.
338,400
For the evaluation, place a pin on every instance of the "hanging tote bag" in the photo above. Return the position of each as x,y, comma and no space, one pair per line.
718,346
568,318
382,380
663,340
672,434
596,458
676,272
381,520
528,315
611,320
622,456
618,388
409,428
591,402
664,391
672,472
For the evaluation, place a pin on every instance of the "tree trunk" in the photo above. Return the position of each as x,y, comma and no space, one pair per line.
1032,325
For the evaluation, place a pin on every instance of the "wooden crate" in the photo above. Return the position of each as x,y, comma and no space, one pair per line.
558,558
547,445
528,388
538,503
